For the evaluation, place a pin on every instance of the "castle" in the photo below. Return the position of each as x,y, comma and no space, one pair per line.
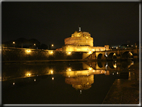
81,42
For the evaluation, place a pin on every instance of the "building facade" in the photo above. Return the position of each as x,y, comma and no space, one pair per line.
81,42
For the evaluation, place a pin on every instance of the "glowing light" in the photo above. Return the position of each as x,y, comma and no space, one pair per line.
68,69
106,66
51,52
130,53
52,45
132,63
34,44
115,66
93,49
34,79
90,68
51,71
13,83
68,53
117,72
90,52
28,51
28,74
112,73
13,42
80,91
52,78
114,54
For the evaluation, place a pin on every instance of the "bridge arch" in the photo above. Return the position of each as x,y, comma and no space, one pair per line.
127,55
112,56
100,65
100,56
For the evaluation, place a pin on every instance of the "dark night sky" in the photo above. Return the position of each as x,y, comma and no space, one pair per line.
108,23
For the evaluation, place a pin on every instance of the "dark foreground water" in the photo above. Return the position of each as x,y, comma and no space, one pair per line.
62,82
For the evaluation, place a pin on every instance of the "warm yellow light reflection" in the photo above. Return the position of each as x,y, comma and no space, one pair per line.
13,42
114,54
28,74
68,53
130,53
34,79
115,66
28,51
81,82
34,44
13,83
52,45
80,91
52,78
132,63
51,72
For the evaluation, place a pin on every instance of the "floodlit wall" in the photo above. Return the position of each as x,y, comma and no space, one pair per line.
37,54
76,48
79,38
83,48
79,41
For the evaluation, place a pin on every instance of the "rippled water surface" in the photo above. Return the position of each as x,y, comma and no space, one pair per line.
62,82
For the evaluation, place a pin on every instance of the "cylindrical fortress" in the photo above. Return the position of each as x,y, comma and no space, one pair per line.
79,38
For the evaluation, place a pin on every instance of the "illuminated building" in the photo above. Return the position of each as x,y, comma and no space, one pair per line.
81,42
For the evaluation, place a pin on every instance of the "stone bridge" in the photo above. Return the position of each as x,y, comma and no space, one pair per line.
115,54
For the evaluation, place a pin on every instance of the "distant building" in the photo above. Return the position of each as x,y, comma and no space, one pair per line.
82,42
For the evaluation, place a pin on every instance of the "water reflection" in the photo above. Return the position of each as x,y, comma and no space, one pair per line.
80,83
78,74
50,72
28,74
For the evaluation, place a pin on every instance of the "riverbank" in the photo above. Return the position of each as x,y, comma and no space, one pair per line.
124,91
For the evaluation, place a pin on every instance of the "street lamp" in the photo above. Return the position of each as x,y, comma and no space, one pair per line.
13,43
52,45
